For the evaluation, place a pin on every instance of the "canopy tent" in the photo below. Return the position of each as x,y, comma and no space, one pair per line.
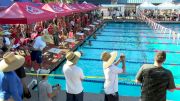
89,6
92,5
105,9
69,7
167,5
147,5
24,13
39,4
83,8
55,8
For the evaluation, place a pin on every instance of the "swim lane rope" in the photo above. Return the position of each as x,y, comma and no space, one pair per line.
123,49
127,36
166,43
89,79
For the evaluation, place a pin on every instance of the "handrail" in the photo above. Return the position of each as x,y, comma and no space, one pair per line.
152,23
127,81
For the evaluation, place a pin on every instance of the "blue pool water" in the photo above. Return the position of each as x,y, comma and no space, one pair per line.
139,43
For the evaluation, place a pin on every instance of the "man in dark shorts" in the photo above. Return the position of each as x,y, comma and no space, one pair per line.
155,79
22,74
38,47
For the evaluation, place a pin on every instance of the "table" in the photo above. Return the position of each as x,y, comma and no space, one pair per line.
54,50
95,23
92,26
70,40
79,33
87,29
99,21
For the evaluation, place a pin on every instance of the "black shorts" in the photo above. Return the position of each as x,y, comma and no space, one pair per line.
36,56
20,72
74,97
111,97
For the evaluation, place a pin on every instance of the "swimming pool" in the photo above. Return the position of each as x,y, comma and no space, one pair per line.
138,42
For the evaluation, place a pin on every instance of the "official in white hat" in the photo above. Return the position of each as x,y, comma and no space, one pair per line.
111,72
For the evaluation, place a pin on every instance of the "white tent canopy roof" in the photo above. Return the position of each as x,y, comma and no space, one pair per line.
111,5
147,5
167,5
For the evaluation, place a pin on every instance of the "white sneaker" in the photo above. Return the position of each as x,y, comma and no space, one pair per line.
32,69
38,71
43,71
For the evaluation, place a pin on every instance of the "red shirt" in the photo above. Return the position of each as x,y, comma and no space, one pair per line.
51,29
16,41
39,28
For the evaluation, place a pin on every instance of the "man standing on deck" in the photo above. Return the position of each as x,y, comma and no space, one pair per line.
155,79
111,72
38,47
74,76
11,88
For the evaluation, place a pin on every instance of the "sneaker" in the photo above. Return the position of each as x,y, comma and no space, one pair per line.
43,71
32,69
38,71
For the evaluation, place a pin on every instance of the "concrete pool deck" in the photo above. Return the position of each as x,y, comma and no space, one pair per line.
62,95
87,97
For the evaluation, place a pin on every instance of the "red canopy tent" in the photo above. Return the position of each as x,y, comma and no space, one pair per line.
70,7
55,8
83,8
24,13
90,6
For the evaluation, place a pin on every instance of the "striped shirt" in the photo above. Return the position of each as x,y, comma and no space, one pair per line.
155,81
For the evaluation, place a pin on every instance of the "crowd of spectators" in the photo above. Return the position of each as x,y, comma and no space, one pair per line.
162,15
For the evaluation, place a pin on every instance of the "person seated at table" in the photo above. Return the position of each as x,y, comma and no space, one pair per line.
71,34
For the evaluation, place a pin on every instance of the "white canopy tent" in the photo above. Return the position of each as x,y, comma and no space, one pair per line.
147,5
104,8
167,5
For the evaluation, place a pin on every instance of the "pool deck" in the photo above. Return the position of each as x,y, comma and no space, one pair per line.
87,97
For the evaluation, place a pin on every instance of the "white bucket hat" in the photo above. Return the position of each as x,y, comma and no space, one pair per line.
72,57
108,58
11,62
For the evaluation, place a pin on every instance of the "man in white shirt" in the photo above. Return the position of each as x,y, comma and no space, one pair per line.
74,76
38,46
111,72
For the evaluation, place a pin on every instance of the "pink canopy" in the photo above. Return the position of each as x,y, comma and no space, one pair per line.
90,6
55,8
70,7
83,8
24,13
